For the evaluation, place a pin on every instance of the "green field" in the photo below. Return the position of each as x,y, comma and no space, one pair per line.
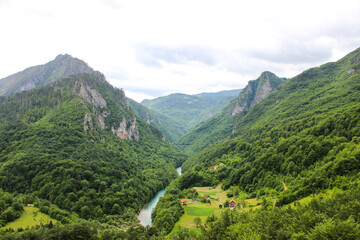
203,210
198,211
30,218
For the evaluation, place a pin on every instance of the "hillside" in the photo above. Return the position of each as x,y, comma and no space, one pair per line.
221,126
305,134
78,145
62,66
292,165
185,112
170,132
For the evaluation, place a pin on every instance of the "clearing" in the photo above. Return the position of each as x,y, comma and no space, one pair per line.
203,210
30,218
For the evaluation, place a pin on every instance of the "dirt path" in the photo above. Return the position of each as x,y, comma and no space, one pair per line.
285,187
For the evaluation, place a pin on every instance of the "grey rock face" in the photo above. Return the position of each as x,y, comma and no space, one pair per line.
127,131
255,91
89,94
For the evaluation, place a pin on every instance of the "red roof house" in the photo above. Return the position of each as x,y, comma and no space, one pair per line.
232,204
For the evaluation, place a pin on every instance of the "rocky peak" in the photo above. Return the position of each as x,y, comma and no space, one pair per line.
62,57
255,91
61,67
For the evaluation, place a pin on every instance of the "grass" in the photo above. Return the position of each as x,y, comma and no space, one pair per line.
30,218
325,194
203,210
216,193
209,193
199,211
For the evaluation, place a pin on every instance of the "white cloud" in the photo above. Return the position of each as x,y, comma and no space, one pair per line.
152,48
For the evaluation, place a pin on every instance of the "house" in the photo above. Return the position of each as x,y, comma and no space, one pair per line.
211,168
232,204
207,196
185,203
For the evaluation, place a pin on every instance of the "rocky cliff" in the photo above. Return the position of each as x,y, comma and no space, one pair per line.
123,121
255,91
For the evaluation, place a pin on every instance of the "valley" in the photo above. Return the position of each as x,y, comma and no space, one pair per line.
279,159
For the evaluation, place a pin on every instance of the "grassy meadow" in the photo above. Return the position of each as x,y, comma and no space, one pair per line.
30,218
203,210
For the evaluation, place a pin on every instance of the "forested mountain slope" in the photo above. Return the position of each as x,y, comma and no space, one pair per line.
221,126
185,112
171,133
62,66
78,145
305,134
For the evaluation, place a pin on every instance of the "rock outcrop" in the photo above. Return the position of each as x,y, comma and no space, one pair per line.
127,130
86,92
255,91
124,126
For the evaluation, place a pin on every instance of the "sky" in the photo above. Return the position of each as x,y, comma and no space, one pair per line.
152,48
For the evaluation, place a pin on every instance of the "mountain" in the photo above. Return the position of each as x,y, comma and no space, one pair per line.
75,148
221,126
185,112
305,134
62,66
170,132
255,91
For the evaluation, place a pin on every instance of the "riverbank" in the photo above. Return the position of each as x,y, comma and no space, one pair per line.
145,213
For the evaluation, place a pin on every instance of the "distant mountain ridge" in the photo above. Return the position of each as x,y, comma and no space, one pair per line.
185,111
222,125
170,132
61,67
64,66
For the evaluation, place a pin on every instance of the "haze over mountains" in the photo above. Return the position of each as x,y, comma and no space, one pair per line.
221,126
174,115
77,148
187,111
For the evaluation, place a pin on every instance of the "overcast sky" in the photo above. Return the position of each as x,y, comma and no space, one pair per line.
155,47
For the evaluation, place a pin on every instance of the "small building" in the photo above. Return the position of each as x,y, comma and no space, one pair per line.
211,168
207,196
185,203
232,204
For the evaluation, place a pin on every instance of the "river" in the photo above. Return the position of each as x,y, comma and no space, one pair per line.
145,213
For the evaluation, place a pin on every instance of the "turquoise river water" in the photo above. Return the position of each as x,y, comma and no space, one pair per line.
145,213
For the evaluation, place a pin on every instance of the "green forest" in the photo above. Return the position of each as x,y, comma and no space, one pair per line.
48,159
79,152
